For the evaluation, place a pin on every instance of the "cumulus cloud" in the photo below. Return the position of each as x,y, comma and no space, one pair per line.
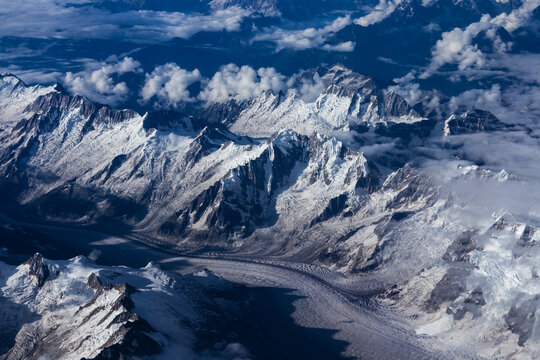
517,101
97,82
308,38
457,46
381,11
241,83
409,90
518,17
82,19
169,84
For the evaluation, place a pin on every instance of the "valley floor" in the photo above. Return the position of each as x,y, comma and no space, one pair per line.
330,307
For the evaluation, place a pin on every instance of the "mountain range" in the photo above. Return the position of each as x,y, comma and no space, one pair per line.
335,181
248,179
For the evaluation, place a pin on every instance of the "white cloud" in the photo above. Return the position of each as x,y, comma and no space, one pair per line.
241,83
169,85
413,94
431,27
524,66
306,87
97,81
307,38
409,90
518,17
381,11
81,19
264,7
515,104
456,46
347,46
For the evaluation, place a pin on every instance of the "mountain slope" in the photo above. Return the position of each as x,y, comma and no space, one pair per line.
75,309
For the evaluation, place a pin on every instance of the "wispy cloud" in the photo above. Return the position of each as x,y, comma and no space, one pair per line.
308,38
34,76
81,19
381,11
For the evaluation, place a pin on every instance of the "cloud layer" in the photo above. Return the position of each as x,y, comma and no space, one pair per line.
81,19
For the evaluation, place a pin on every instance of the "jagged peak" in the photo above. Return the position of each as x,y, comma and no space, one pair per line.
348,79
51,102
12,78
472,121
11,84
81,259
37,269
285,139
269,97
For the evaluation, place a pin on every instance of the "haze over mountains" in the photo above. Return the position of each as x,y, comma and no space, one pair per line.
385,151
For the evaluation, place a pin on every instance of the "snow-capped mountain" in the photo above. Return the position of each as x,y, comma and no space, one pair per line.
180,177
345,175
75,309
347,99
273,164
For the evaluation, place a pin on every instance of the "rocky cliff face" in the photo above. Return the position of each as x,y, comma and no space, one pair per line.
77,310
471,122
87,319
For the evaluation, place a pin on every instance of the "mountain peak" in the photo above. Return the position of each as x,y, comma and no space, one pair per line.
472,121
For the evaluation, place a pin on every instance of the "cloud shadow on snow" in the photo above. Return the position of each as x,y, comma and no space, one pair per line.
265,327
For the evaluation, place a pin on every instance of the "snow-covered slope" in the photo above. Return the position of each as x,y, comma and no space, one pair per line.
166,173
75,309
476,281
348,99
